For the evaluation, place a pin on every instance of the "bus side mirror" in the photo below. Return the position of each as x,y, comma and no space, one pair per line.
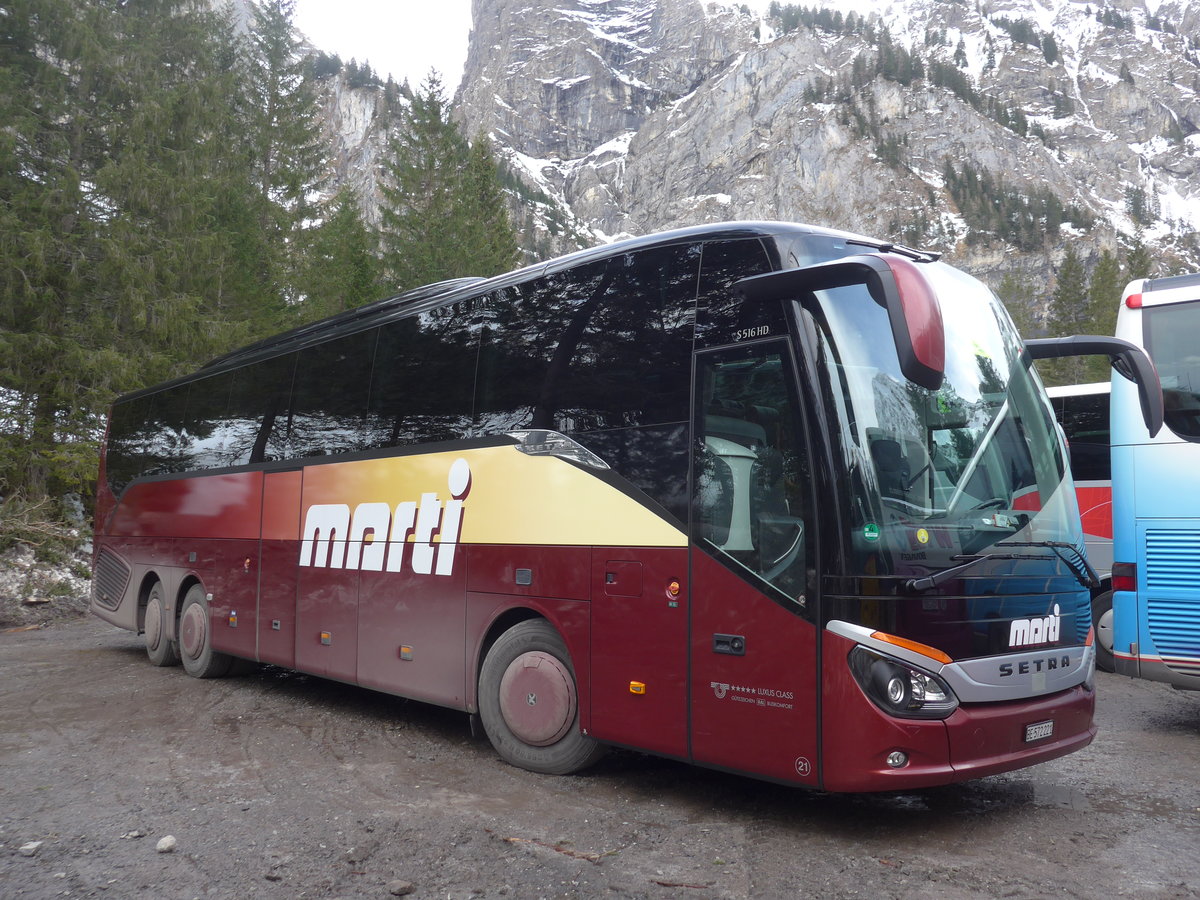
895,283
1129,360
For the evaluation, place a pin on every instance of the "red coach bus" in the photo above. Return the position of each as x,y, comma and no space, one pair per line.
762,497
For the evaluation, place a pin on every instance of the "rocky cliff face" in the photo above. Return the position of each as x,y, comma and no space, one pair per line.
630,116
561,79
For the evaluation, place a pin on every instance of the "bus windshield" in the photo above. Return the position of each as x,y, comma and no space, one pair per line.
1171,342
938,474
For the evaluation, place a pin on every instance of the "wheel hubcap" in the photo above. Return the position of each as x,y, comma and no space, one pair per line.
1104,630
192,631
537,698
153,623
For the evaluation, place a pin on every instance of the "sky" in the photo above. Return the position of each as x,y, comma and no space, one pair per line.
402,37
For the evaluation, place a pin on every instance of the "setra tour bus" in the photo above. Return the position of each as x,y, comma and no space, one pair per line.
1156,483
762,497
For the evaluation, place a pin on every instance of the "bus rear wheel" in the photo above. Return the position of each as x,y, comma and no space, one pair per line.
529,704
200,660
160,650
1102,620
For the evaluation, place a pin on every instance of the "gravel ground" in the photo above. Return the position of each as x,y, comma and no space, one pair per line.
279,785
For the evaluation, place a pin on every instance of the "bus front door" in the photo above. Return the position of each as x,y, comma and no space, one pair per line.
753,643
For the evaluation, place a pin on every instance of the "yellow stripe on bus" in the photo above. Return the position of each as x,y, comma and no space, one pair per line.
512,498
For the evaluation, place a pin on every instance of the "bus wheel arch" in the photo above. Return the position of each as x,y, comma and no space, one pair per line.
162,647
528,700
196,652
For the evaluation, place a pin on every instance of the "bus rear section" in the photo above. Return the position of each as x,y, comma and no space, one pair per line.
762,497
1083,412
1156,480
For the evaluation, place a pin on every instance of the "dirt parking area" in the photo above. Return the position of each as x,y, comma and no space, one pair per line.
279,785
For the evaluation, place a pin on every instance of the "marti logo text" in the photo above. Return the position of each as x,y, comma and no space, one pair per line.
376,536
1026,632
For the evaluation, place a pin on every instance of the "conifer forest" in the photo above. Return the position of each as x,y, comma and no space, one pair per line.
165,197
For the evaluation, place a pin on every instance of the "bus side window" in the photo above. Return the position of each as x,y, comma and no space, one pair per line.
208,402
1085,420
256,420
601,347
329,401
721,317
166,450
423,378
631,363
128,436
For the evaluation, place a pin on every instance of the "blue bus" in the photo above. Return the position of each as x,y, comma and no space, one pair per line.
1156,490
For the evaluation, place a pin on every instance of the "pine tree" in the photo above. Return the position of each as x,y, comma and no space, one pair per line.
124,244
340,262
1138,262
1104,297
488,228
442,215
1067,315
1016,293
288,161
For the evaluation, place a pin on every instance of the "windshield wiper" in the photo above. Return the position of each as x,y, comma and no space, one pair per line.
1083,571
1080,568
920,585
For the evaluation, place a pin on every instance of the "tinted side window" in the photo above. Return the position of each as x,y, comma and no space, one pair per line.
598,347
722,318
423,378
653,459
209,399
329,400
1085,421
529,332
166,439
128,436
239,417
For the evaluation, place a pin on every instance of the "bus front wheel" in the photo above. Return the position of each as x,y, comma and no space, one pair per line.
529,704
160,650
200,660
1102,620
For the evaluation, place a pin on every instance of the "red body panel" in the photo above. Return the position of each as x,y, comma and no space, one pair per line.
278,573
231,576
560,572
327,622
1095,510
974,741
411,632
754,712
215,506
639,638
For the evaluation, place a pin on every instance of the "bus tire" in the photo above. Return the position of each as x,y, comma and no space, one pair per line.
160,650
200,660
529,703
1102,621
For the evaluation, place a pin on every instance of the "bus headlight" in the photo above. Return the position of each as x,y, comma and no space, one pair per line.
899,688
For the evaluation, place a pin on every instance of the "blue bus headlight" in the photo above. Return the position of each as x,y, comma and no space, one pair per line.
901,689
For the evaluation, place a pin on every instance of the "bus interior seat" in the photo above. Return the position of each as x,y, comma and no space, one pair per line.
890,466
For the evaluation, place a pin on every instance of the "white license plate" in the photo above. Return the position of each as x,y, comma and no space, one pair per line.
1039,730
